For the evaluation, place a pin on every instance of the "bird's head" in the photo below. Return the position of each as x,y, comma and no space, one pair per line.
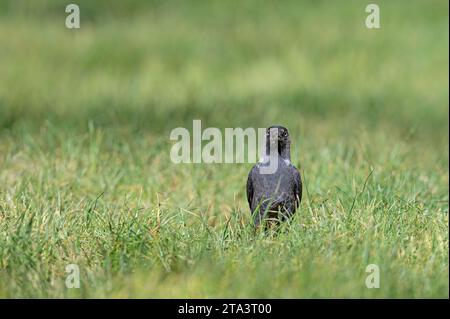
277,135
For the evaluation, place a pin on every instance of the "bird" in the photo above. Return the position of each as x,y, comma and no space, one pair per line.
274,195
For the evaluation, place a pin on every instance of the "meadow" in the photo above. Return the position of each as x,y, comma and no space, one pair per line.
85,170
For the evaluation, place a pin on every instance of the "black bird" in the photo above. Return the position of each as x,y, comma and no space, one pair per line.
274,195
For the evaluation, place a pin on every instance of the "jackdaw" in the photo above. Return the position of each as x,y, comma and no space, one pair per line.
274,194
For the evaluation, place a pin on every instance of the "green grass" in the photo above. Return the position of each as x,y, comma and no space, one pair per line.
85,173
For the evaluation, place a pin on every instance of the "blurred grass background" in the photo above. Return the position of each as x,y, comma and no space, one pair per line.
85,173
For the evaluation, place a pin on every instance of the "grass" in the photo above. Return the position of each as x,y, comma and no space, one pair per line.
85,173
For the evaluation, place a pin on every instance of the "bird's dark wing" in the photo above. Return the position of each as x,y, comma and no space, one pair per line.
250,189
297,186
